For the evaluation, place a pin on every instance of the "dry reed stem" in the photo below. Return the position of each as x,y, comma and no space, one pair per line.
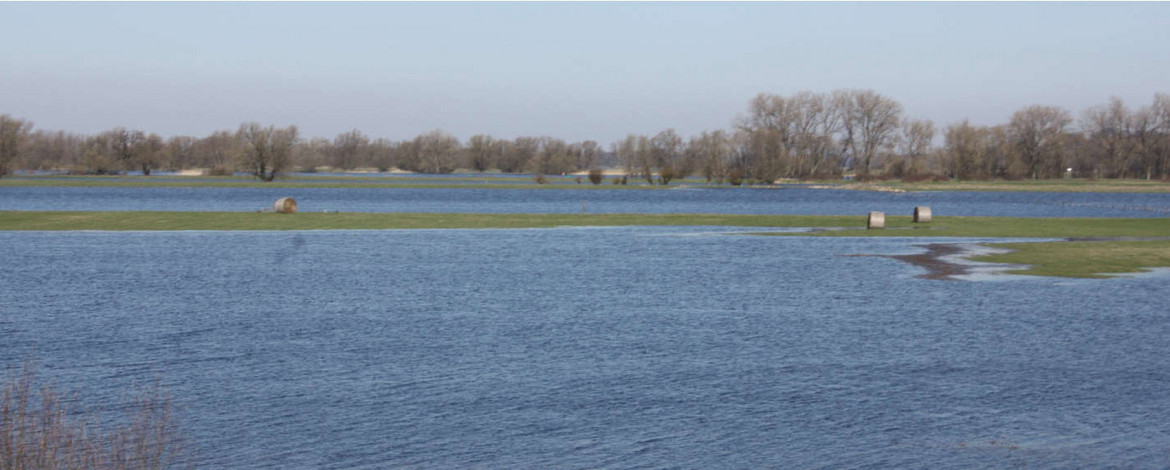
39,430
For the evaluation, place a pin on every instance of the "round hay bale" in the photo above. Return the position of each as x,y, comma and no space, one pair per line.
922,214
876,220
285,205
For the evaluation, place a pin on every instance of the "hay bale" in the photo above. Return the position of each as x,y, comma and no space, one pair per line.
876,220
922,214
285,205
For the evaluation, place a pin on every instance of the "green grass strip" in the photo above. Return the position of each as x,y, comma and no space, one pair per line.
1067,259
1087,259
897,226
1055,185
1009,227
1096,259
133,220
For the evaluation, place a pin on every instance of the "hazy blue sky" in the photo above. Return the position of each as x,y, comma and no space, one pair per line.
576,71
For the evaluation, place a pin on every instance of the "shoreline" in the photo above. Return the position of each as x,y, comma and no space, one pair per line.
401,179
1088,247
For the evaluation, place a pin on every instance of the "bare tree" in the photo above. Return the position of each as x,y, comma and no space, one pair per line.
99,155
1159,143
350,150
382,154
310,154
870,122
588,155
13,133
553,156
1037,131
963,149
512,156
45,150
147,153
1000,156
406,155
480,152
438,152
770,113
635,162
178,153
124,142
769,132
765,156
712,153
914,145
1110,131
814,135
218,152
666,153
266,150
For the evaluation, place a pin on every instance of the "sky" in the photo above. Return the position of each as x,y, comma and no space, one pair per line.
577,71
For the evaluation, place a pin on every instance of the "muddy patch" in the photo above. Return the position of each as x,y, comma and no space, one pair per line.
949,262
933,261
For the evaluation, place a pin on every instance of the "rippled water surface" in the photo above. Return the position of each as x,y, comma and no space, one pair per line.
789,200
598,347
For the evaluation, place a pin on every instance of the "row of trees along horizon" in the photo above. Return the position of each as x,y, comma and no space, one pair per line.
805,135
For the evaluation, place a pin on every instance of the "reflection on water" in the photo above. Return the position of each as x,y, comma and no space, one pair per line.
615,347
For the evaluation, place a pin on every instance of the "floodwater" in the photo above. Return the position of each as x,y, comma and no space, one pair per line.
788,200
592,347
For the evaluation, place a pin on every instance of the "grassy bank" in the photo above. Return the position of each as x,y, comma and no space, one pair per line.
1009,227
897,226
1071,259
49,220
1084,259
495,181
1056,185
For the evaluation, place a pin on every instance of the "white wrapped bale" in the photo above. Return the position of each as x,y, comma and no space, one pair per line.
876,220
922,214
285,205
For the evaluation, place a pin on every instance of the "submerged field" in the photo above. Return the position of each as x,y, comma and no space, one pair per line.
897,226
1081,259
1098,209
584,347
453,328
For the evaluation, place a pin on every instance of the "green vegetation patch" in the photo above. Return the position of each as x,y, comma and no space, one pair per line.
1053,185
1008,227
127,220
1090,259
1068,259
897,226
1095,259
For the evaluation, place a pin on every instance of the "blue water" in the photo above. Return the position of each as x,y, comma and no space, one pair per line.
596,347
687,200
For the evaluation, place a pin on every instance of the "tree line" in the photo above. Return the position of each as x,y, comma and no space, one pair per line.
804,135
